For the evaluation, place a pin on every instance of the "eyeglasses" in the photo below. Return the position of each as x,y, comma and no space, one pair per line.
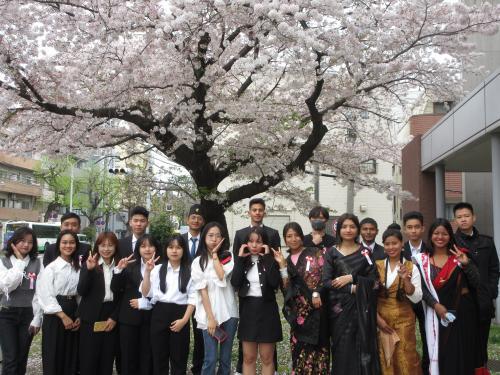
214,235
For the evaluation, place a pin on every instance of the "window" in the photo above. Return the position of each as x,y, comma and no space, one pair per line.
3,202
368,166
25,205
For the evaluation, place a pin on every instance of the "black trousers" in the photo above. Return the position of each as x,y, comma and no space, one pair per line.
59,346
483,335
97,349
169,348
419,312
15,339
135,349
198,350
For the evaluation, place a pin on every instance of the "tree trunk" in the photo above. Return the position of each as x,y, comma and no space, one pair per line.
214,211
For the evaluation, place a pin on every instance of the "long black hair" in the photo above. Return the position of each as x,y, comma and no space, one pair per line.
185,266
340,222
202,247
390,232
17,237
440,222
75,257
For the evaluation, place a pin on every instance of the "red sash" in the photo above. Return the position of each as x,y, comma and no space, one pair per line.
445,273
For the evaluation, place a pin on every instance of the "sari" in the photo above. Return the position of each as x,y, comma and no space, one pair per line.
452,349
309,338
352,317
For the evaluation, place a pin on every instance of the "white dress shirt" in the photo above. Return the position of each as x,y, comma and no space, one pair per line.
10,279
220,292
371,246
107,270
134,241
59,278
415,280
415,250
172,293
253,278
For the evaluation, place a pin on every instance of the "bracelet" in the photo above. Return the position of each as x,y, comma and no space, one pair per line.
284,273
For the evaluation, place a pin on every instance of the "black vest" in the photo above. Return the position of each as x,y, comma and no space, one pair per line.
22,296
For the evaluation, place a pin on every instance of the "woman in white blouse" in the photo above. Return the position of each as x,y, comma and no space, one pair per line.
216,309
400,287
19,268
173,297
56,295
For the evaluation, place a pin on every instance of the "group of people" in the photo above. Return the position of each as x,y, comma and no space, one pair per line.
352,304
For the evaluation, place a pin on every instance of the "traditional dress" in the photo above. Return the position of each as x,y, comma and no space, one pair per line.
309,337
352,317
451,349
397,311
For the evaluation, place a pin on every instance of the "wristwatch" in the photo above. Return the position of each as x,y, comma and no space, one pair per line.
315,294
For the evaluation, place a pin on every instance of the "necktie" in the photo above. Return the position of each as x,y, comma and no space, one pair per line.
193,247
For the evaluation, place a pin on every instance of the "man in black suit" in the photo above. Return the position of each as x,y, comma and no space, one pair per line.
256,211
138,222
413,225
483,251
369,231
69,221
195,222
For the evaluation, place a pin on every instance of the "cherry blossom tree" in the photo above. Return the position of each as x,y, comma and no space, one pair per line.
244,90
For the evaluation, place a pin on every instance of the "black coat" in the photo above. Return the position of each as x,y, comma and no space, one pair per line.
327,241
240,236
407,250
50,253
125,247
126,284
483,252
269,276
91,288
378,252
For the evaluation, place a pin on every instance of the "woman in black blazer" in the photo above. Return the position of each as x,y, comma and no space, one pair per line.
256,276
135,310
98,308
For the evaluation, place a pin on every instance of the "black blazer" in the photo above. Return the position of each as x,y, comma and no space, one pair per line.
91,288
269,276
125,247
378,252
240,236
50,253
407,249
126,283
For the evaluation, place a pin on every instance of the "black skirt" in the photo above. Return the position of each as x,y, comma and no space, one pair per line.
60,346
259,320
